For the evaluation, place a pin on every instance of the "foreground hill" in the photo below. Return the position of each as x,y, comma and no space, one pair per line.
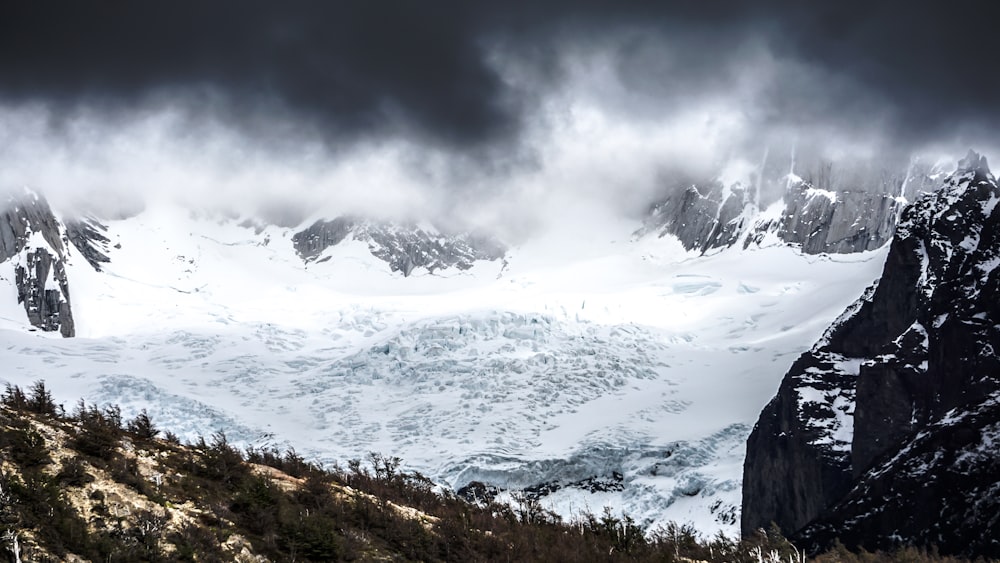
90,486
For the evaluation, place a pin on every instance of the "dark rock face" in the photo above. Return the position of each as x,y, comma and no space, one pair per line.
920,413
938,305
38,263
941,488
47,308
310,243
22,216
832,222
403,248
853,210
818,221
87,235
479,492
703,217
798,455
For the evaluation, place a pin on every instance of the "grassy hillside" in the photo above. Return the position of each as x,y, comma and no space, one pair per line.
88,485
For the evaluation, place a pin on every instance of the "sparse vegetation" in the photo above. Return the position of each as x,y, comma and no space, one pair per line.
142,427
88,485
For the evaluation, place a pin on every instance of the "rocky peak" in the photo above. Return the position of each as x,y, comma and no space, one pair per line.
405,247
703,216
32,240
974,163
23,214
820,220
830,210
851,445
88,236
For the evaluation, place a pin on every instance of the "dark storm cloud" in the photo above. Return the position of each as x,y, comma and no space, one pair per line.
423,68
931,65
348,66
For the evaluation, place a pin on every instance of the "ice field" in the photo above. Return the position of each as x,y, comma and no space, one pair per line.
615,372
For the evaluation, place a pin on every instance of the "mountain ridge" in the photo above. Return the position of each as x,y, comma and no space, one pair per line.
921,344
822,214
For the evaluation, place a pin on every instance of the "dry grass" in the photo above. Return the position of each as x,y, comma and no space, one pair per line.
89,486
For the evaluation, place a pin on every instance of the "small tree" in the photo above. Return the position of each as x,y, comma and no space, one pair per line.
14,398
221,461
74,473
28,448
530,511
99,432
142,427
386,467
40,399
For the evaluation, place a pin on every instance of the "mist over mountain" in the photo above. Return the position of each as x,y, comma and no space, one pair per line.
469,113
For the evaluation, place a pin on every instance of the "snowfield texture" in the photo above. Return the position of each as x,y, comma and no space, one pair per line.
623,374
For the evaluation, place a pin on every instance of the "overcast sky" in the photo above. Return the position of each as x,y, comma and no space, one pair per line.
404,104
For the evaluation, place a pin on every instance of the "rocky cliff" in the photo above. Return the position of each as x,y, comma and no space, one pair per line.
35,248
87,235
850,208
43,289
32,241
404,247
703,216
799,453
838,222
885,432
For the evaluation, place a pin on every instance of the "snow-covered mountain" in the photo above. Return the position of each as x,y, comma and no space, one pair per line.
885,432
404,247
613,367
819,211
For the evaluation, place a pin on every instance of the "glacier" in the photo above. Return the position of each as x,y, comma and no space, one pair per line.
627,362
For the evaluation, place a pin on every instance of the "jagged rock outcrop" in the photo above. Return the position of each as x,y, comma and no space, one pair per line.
87,235
821,221
854,210
798,455
47,307
702,216
31,240
311,242
21,216
941,488
885,432
404,248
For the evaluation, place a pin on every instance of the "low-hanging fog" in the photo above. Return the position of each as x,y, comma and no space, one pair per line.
511,119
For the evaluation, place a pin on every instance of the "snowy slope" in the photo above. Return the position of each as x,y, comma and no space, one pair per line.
634,364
